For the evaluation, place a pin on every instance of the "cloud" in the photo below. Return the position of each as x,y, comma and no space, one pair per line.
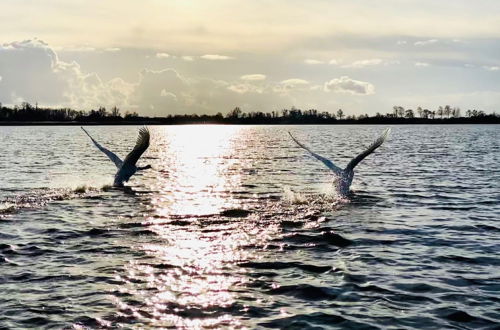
312,61
253,77
345,84
215,57
32,72
240,88
112,49
158,91
76,49
425,42
401,42
422,64
164,92
369,62
188,58
364,63
333,62
491,68
295,81
288,85
162,55
247,26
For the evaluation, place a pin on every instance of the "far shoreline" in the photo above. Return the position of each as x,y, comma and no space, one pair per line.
29,115
162,123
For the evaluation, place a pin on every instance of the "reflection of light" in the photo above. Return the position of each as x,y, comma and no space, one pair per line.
194,285
197,159
199,276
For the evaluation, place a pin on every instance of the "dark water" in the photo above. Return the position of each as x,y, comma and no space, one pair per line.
236,227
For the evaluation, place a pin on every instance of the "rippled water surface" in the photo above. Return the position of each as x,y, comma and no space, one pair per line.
234,226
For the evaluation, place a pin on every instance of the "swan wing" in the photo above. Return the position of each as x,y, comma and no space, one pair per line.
324,160
114,158
140,146
377,143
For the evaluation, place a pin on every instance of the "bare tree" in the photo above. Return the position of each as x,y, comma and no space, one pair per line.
420,111
447,111
395,110
401,112
440,112
235,113
115,112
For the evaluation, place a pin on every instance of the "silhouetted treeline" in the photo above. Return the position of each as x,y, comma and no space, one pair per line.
29,114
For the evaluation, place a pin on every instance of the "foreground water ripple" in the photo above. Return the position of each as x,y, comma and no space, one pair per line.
236,227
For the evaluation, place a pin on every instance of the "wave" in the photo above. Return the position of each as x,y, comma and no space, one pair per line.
326,198
38,198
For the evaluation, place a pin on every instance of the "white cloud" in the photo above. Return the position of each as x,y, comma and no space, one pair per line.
425,42
239,88
112,49
295,81
422,64
188,58
76,49
401,42
168,95
215,57
333,62
288,85
369,62
364,63
50,81
491,68
345,84
162,55
312,61
253,77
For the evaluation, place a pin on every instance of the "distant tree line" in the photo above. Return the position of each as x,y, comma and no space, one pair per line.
29,112
33,114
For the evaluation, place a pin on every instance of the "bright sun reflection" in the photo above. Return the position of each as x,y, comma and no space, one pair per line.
197,161
193,273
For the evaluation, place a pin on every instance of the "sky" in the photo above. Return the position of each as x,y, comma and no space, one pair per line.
161,57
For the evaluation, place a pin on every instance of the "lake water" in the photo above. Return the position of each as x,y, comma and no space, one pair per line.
235,226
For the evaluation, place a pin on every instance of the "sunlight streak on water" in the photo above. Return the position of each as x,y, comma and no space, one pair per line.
198,261
197,160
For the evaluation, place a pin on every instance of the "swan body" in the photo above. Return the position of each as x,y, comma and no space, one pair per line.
345,176
127,167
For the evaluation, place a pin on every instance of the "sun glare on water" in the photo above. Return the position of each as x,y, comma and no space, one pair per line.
198,161
195,259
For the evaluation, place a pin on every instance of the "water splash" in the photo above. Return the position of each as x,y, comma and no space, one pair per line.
38,198
327,198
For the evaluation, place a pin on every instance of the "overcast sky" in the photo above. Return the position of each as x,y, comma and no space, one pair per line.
160,57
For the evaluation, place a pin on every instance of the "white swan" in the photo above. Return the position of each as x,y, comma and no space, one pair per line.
345,176
127,167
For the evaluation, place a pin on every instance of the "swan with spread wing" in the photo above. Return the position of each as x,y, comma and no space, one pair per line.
126,168
345,176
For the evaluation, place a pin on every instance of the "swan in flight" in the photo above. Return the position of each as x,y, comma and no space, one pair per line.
126,168
345,176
